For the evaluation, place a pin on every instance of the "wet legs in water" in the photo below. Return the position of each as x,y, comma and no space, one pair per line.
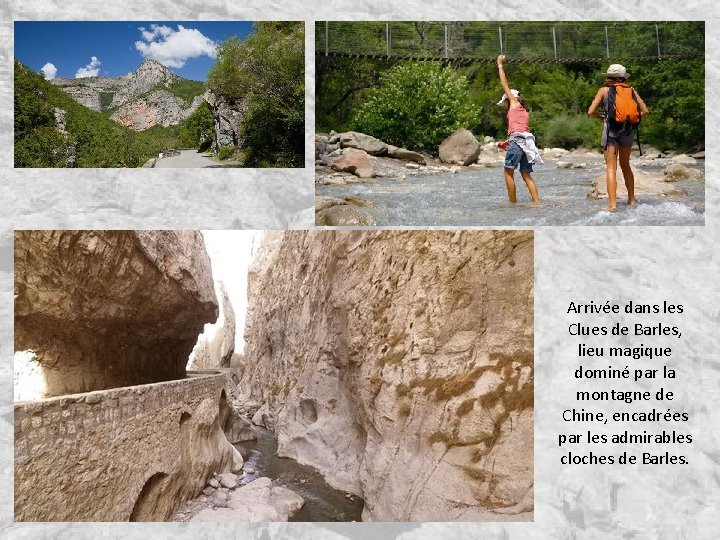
529,182
614,154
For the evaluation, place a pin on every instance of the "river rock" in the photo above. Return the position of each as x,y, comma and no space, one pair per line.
461,148
683,159
652,183
228,480
366,143
257,501
357,162
213,483
405,154
409,368
216,344
553,153
345,215
103,309
677,171
563,164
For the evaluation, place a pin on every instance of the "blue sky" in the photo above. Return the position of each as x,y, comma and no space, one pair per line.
79,48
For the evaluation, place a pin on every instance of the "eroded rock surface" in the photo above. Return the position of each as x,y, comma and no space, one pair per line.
257,501
399,364
215,346
102,309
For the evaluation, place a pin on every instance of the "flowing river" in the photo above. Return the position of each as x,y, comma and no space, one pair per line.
479,198
322,502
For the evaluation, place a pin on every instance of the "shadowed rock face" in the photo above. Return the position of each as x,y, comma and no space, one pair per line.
103,309
400,364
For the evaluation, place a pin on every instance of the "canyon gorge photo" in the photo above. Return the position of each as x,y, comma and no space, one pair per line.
233,376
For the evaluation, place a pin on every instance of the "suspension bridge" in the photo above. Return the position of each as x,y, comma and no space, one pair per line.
529,42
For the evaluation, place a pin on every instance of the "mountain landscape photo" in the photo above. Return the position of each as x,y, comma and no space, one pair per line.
205,94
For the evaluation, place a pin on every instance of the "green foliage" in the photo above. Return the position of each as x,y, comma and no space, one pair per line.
266,74
225,152
106,100
571,131
417,105
198,129
184,89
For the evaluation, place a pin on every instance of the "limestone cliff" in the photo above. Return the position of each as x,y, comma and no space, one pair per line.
400,364
216,345
142,98
103,309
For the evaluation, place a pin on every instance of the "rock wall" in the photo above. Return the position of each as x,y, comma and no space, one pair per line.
216,345
103,309
400,364
130,453
228,119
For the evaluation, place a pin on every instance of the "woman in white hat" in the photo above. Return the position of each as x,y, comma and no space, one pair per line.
520,149
617,137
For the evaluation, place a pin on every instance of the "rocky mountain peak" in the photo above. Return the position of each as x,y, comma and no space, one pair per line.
153,71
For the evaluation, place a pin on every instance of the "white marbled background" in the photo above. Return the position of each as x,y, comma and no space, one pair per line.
580,264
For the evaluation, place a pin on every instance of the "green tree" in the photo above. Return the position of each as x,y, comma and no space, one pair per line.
417,105
265,75
198,129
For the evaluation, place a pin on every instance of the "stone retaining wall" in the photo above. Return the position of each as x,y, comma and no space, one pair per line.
89,457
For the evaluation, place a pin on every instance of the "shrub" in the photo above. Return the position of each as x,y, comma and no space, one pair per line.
225,152
570,131
417,105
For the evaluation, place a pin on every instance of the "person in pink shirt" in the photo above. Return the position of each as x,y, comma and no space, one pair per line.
520,149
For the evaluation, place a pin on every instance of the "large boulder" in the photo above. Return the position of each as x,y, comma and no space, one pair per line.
366,143
102,309
357,162
215,346
259,501
399,362
460,148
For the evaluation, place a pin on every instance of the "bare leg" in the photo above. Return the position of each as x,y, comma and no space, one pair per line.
611,176
628,175
532,188
510,183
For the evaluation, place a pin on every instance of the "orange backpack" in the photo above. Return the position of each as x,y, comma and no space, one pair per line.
622,104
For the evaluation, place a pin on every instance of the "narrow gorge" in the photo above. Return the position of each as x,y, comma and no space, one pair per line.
316,376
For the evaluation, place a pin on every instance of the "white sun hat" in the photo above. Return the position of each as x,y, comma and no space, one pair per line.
514,92
617,70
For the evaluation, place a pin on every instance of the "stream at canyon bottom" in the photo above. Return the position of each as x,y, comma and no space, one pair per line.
478,197
322,502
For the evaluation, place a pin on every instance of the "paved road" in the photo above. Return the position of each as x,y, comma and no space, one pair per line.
188,159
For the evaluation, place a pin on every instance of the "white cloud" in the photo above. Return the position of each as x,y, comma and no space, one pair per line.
171,47
91,70
49,70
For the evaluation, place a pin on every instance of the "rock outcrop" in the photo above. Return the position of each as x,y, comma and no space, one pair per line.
259,501
228,120
103,309
460,148
400,365
141,97
215,346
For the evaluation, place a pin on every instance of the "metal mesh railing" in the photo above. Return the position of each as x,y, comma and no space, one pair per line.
520,41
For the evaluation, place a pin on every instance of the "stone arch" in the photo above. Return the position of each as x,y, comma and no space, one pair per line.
145,508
